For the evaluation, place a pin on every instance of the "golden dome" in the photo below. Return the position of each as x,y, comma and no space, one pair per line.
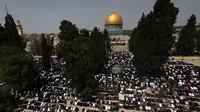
114,18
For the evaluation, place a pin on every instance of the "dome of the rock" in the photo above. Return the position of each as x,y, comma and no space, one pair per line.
114,19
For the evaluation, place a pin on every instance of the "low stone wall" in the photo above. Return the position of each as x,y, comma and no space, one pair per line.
184,57
117,48
193,59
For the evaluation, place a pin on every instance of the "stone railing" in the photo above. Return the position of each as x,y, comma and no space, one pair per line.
41,56
193,59
184,57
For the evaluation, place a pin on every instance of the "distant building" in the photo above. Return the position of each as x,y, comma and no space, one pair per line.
114,25
56,39
118,37
19,28
37,38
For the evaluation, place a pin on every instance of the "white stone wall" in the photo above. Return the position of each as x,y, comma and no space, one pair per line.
119,39
56,41
116,48
28,47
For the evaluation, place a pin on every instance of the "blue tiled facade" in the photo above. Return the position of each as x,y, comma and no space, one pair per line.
116,29
119,32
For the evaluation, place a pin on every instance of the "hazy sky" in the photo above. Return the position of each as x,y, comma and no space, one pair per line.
45,15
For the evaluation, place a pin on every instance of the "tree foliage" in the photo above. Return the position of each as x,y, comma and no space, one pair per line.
98,51
68,31
107,40
198,41
152,39
50,43
35,43
74,50
83,57
17,69
84,32
11,32
186,44
132,40
45,53
8,103
2,35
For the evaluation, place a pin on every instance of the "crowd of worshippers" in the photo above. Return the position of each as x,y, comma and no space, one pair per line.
56,95
177,91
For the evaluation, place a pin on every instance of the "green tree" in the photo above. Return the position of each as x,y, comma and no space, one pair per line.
81,65
8,103
84,32
80,56
107,40
97,49
152,39
45,53
17,70
61,49
68,31
133,45
72,49
50,43
140,48
198,41
2,35
186,44
11,32
132,40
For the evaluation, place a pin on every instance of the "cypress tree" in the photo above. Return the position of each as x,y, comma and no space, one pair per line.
133,44
8,102
98,51
132,40
45,53
152,39
2,35
186,44
198,41
17,70
11,32
107,41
